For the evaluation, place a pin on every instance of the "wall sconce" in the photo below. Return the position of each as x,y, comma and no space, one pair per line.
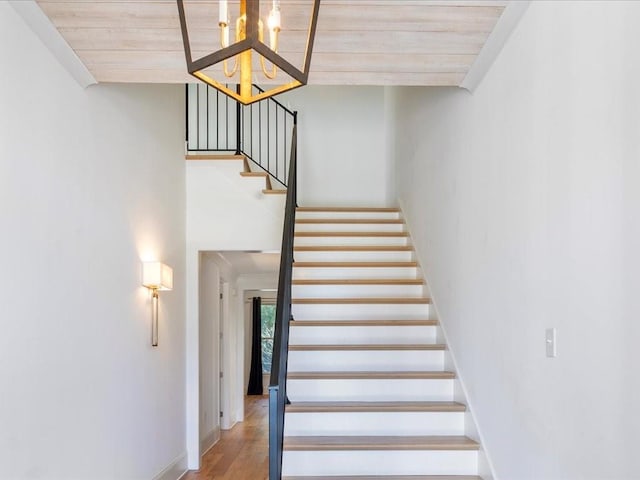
156,276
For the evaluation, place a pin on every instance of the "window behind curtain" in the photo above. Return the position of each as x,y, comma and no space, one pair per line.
268,313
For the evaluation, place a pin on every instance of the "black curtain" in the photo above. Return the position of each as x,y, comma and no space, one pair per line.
255,377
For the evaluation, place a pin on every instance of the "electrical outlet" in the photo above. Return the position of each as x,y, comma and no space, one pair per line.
550,340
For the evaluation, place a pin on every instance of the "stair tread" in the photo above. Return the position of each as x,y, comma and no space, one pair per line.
382,442
382,477
363,300
354,264
348,209
377,375
368,347
362,323
214,157
358,221
309,407
273,191
351,234
360,281
254,174
353,248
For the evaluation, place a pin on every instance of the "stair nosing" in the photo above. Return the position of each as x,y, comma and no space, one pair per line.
349,209
354,221
363,301
364,323
384,406
351,234
358,281
368,347
372,375
407,264
353,248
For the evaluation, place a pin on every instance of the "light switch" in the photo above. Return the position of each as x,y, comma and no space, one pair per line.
551,342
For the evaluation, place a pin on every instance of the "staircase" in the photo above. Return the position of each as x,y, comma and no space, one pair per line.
370,395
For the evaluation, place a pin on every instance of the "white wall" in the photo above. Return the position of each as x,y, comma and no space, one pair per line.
523,203
342,157
91,183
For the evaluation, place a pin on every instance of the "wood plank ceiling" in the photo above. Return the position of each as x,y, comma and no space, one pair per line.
359,42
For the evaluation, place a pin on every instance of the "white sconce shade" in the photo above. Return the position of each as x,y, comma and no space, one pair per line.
157,276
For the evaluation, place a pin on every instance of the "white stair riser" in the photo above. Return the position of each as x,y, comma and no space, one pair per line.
353,361
363,311
315,240
352,215
356,291
357,256
301,335
350,227
326,273
370,390
423,462
374,423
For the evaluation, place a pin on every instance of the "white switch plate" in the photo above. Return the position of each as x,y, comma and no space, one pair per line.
550,339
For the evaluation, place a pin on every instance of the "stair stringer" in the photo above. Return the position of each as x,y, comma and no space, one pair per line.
486,469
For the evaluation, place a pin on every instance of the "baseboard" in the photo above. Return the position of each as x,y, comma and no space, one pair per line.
176,469
210,440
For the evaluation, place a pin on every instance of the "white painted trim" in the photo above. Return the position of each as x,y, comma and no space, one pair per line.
40,24
506,24
208,442
193,357
488,463
175,470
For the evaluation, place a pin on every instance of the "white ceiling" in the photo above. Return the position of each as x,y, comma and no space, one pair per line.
243,263
358,42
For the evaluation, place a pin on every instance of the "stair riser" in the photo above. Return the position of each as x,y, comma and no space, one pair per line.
374,423
353,361
360,312
370,390
347,256
350,227
317,241
356,291
327,273
349,215
424,462
345,335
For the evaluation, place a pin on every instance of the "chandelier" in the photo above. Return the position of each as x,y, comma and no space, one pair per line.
248,45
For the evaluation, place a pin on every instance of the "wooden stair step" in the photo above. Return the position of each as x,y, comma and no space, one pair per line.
381,221
274,191
389,477
351,234
368,347
355,264
254,174
364,323
210,156
347,209
330,407
359,281
364,301
431,442
404,375
353,248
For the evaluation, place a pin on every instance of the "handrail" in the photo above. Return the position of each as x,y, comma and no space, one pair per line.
278,381
260,131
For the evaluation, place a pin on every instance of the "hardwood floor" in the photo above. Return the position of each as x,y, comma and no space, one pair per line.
242,452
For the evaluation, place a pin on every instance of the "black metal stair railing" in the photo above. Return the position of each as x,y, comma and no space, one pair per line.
261,131
278,381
